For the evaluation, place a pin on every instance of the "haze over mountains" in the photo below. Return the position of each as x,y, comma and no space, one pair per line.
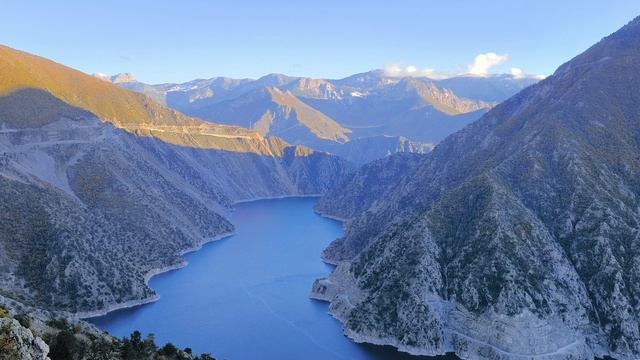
392,113
517,237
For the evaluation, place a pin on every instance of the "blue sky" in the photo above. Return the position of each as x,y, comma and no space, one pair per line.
175,41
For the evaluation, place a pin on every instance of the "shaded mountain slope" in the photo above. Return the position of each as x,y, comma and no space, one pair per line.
526,218
359,190
361,151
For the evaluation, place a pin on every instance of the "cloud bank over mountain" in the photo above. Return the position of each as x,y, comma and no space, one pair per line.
484,62
481,66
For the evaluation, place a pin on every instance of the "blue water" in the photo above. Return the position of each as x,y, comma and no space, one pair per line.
246,296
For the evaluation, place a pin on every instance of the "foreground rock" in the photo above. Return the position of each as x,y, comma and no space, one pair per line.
18,343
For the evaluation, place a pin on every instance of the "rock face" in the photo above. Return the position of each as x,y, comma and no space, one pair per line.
516,237
364,150
18,343
359,190
95,197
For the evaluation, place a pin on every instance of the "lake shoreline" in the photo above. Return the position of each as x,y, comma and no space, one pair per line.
84,315
332,217
256,286
276,198
147,278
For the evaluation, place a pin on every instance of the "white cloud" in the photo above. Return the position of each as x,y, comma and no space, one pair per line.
483,62
517,73
396,70
481,66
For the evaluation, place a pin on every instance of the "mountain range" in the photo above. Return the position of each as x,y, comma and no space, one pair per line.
516,237
376,114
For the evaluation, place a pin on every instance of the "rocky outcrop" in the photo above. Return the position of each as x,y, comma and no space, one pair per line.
367,149
515,238
19,343
359,190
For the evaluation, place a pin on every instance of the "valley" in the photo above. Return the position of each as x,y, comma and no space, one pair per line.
251,286
479,212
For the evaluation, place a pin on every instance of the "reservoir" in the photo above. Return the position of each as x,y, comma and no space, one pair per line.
247,296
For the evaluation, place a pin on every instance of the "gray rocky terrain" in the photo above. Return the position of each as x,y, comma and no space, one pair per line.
19,343
516,237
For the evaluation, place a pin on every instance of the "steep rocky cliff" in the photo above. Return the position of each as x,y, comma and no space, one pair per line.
517,237
364,150
359,190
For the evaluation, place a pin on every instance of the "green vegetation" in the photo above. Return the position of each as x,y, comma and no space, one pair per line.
6,345
69,341
23,319
67,345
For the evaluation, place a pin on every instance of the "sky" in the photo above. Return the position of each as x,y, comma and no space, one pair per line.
175,41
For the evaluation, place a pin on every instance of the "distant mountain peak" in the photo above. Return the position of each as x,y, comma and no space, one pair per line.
276,79
368,103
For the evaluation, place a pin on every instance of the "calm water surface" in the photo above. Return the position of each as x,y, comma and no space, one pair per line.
246,296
